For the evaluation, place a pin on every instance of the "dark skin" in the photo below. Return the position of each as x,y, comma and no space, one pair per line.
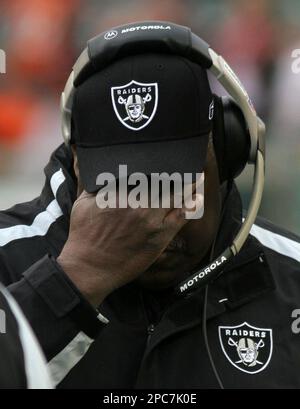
101,253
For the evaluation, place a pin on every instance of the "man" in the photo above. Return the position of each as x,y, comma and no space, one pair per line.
22,364
98,284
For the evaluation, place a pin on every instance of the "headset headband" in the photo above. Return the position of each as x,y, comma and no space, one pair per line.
169,38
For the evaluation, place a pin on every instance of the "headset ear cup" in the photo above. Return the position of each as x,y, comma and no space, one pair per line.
237,137
231,138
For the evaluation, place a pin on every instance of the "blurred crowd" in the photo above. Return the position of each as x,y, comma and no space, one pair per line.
42,39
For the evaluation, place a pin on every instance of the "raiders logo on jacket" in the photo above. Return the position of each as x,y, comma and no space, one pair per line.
148,341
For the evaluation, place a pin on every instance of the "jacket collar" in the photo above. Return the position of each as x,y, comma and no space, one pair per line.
248,275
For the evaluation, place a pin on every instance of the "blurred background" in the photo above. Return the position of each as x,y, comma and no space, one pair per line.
42,39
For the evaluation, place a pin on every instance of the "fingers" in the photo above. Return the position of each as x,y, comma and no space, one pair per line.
176,210
177,218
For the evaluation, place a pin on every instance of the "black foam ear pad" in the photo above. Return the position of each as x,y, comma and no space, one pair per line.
231,138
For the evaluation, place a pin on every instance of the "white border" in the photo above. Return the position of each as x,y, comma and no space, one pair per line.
252,327
143,85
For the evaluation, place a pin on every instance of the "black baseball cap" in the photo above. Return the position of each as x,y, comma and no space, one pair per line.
151,112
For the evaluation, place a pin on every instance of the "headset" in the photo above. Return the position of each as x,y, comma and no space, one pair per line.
238,132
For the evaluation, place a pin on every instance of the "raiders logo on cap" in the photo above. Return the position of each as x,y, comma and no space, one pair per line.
246,347
135,104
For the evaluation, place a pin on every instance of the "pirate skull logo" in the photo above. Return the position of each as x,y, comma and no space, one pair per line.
135,104
248,348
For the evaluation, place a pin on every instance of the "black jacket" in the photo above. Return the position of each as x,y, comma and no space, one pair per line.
12,366
21,362
155,341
